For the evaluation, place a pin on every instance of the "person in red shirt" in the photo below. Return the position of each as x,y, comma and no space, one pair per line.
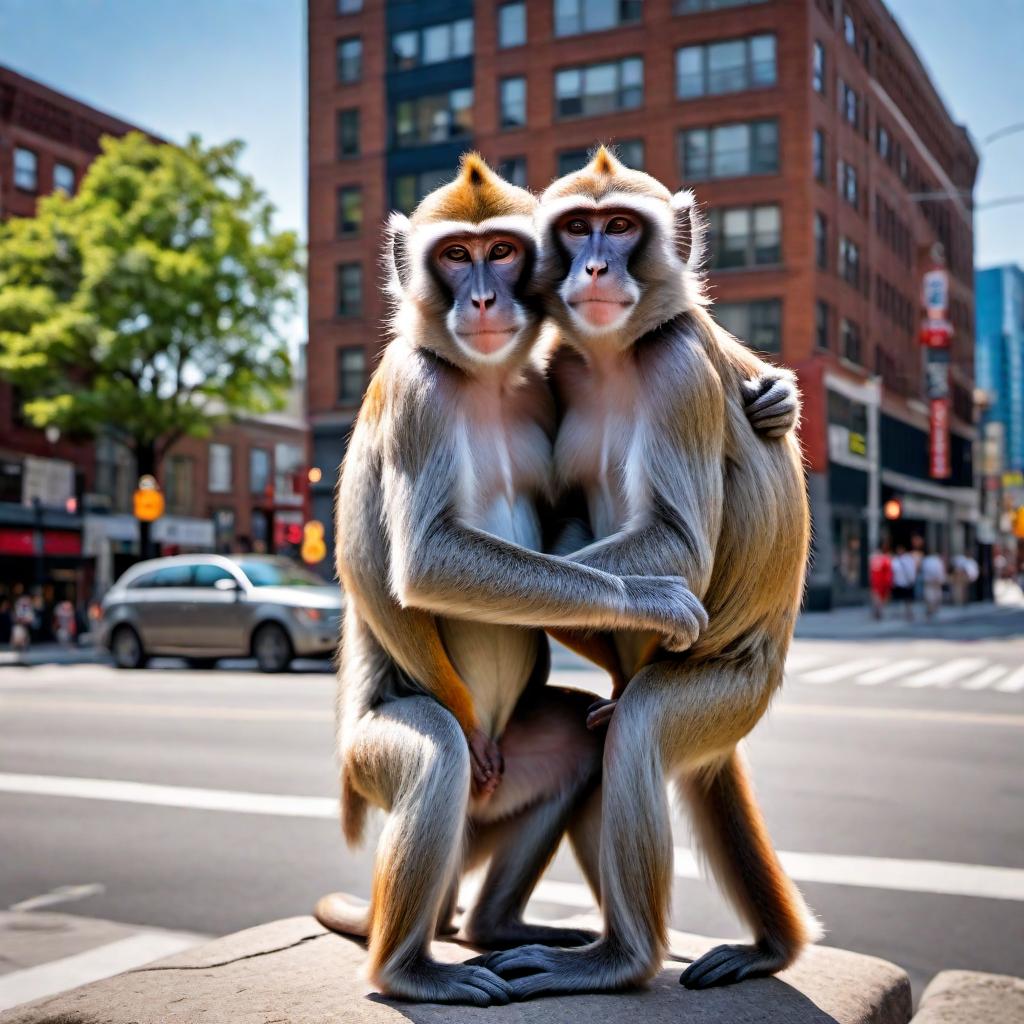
880,579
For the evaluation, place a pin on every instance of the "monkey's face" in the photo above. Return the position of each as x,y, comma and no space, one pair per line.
484,275
599,290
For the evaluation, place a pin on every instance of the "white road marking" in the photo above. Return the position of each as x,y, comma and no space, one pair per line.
1013,683
891,671
837,869
943,675
800,661
101,962
62,894
112,708
984,678
836,672
902,715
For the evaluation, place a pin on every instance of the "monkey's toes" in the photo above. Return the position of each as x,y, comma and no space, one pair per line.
725,965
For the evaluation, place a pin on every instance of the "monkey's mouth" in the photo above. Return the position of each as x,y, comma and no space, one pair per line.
488,341
601,312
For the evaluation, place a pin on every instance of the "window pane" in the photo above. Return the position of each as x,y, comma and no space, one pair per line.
767,235
762,60
350,60
220,468
765,159
765,325
513,170
351,375
349,6
513,102
405,49
730,155
511,25
259,470
462,38
350,210
599,15
696,155
350,289
727,66
600,88
571,160
690,72
26,169
436,44
64,178
631,153
735,238
348,133
567,17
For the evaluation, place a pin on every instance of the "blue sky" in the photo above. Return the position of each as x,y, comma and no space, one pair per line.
235,68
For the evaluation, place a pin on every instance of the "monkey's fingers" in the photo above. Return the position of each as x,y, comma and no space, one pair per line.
600,713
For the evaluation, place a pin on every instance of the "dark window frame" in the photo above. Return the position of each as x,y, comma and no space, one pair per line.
343,228
351,381
750,75
341,309
341,63
622,91
32,189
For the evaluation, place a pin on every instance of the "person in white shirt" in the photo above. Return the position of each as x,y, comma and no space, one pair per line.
933,574
904,576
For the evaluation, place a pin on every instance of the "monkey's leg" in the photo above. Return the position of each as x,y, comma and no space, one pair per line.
552,762
671,718
411,757
732,832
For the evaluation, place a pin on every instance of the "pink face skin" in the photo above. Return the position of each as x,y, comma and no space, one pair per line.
482,272
598,288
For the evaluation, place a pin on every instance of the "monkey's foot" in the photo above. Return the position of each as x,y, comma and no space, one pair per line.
510,934
539,970
725,965
428,981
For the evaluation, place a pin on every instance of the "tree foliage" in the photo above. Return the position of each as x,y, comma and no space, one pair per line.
151,301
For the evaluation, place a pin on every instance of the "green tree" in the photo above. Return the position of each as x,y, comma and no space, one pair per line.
151,302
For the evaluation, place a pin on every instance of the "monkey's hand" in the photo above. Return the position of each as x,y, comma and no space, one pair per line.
666,605
772,404
599,714
486,763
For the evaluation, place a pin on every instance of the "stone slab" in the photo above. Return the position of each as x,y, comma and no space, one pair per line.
968,997
293,971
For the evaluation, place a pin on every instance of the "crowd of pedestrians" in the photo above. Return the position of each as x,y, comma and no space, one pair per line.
903,576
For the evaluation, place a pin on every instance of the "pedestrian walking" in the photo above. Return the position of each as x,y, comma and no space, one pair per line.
23,622
65,623
965,573
880,579
904,579
933,577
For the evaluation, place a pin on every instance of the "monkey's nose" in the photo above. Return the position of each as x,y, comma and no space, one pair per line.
597,267
482,302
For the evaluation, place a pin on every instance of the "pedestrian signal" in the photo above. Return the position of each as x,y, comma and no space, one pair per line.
313,547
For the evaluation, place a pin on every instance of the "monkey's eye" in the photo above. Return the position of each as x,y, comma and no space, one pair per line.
618,226
502,251
577,226
456,254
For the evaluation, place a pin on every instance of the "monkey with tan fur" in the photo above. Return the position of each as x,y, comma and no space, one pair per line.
655,433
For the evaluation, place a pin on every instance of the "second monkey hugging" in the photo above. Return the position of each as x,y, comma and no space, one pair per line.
559,438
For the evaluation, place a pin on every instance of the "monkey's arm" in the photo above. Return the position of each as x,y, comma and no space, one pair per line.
771,398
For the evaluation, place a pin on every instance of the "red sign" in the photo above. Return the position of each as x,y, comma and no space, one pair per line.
17,542
55,542
938,423
936,333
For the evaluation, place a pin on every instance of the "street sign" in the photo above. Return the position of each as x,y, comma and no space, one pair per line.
147,504
935,293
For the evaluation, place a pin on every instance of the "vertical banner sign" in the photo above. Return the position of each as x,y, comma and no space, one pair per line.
936,334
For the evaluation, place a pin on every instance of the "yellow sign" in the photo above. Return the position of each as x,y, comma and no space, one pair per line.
858,443
148,504
313,547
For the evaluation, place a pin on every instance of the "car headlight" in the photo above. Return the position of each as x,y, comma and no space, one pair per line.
311,615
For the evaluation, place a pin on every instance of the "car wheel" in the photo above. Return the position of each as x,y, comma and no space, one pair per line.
126,647
201,663
272,647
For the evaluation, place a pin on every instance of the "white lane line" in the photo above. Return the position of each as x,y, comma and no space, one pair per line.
984,678
943,675
836,672
901,715
198,711
62,894
1013,683
869,872
800,662
891,671
101,962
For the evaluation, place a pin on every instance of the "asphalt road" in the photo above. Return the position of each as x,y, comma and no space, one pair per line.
891,773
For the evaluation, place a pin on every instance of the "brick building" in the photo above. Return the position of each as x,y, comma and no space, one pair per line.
826,160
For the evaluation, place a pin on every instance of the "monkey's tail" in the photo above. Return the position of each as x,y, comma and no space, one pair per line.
354,808
339,912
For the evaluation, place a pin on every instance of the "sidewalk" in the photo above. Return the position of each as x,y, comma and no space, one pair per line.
52,654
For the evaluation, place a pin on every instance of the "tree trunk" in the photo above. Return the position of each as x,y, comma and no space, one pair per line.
145,463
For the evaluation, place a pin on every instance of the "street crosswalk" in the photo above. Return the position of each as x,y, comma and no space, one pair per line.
821,668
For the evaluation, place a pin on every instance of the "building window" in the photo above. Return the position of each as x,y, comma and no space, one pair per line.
849,261
349,6
850,30
513,102
696,6
730,150
728,66
350,210
434,44
408,189
220,468
439,117
846,179
348,133
224,529
26,169
631,153
350,59
570,160
259,470
64,179
513,170
821,240
599,88
818,68
747,236
822,325
574,17
350,289
351,375
883,142
850,342
757,324
849,104
179,472
511,25
818,156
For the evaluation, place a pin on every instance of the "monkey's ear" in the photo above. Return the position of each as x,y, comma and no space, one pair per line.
689,229
397,236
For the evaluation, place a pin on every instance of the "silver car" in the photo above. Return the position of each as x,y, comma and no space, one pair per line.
205,607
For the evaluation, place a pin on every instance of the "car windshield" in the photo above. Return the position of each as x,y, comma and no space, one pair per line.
280,573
